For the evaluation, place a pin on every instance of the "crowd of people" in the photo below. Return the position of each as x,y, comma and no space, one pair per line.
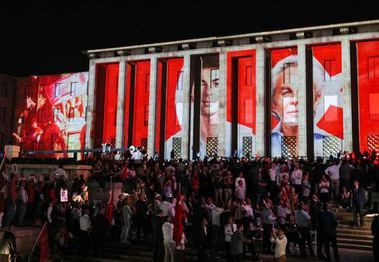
217,206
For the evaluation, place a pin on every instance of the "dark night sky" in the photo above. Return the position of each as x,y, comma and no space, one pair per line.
40,38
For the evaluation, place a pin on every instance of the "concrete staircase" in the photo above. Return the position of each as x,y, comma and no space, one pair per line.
114,252
352,237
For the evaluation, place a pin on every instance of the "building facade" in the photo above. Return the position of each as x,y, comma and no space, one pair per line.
7,88
301,92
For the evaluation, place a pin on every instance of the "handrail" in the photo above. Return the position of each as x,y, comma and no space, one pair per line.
35,243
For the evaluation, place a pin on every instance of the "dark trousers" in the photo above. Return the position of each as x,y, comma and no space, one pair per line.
267,228
305,238
141,225
331,239
320,244
216,242
227,252
158,249
358,209
84,242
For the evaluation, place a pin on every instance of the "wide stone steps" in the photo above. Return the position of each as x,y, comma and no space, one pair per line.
354,246
353,237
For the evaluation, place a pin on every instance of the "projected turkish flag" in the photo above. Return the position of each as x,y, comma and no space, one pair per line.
327,88
368,94
173,100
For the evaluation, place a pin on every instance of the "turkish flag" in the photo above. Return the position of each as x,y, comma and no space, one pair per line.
43,244
332,121
178,221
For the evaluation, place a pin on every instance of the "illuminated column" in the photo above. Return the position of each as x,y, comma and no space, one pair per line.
301,97
186,104
152,105
90,105
347,114
260,103
120,104
222,106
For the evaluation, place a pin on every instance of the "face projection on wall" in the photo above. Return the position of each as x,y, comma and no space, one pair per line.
284,96
209,108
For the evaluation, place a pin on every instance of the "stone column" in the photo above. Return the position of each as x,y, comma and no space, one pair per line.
260,103
222,140
186,105
347,114
90,105
120,104
152,105
302,99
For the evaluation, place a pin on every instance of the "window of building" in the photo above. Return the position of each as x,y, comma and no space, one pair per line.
53,142
329,68
55,114
179,113
41,114
215,76
71,114
4,89
248,111
28,91
2,114
373,67
147,82
288,73
213,109
179,81
57,90
289,117
1,140
146,115
73,88
374,106
248,75
332,115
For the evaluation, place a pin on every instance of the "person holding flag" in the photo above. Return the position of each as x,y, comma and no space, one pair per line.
179,236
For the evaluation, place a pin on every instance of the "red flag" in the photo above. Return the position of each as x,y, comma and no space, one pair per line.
43,244
110,208
178,220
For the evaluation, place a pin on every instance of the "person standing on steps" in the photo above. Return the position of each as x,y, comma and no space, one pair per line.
358,202
328,231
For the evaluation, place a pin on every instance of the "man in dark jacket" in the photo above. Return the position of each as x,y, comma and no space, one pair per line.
140,218
100,227
203,239
157,223
328,231
359,199
375,233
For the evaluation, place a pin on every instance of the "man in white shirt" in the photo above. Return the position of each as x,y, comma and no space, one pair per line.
281,243
137,155
297,177
333,172
85,226
216,242
168,207
168,241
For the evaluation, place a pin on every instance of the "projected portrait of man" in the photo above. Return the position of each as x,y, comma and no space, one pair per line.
209,106
284,102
